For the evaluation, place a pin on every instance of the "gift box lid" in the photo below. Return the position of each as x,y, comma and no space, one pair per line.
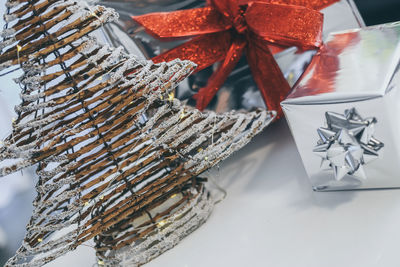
352,65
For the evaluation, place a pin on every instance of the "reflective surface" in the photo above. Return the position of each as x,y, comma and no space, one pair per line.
355,69
239,91
352,65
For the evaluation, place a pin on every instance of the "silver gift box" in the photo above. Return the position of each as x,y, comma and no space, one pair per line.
239,91
344,112
292,63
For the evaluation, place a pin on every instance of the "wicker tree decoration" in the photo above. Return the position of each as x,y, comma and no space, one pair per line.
118,158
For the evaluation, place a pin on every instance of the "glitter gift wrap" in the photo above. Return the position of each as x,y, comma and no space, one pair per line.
239,90
225,30
344,111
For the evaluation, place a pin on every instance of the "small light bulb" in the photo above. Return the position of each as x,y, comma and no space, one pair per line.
100,78
290,77
40,240
206,158
101,197
100,262
174,195
161,223
13,120
182,114
86,203
19,48
171,96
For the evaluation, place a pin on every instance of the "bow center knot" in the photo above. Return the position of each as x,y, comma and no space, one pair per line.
239,23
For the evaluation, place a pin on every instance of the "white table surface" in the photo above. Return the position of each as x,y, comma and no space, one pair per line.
271,217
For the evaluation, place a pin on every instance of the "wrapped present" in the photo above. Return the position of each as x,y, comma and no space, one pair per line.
343,112
293,62
239,90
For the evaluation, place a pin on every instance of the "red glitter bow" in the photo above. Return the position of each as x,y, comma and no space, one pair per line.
226,28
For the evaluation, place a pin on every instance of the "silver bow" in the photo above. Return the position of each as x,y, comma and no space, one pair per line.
347,143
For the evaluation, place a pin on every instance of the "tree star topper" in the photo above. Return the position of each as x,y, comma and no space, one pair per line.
347,143
118,158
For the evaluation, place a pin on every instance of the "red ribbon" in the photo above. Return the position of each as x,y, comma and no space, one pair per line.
226,28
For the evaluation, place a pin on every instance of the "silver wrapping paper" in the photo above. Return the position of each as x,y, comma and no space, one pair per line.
239,91
344,111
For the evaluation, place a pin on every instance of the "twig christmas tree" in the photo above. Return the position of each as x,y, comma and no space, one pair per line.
118,157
